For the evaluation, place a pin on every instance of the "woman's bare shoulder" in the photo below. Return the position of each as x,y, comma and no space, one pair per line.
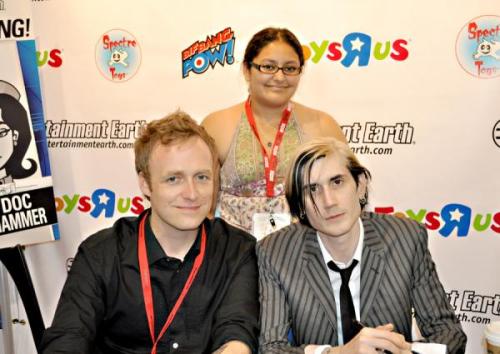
221,125
316,123
223,117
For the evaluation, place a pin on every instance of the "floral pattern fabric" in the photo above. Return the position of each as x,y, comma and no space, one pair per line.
243,185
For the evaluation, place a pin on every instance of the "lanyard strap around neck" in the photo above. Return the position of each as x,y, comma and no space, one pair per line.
146,283
270,162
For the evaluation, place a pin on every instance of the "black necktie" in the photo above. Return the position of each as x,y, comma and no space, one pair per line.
347,313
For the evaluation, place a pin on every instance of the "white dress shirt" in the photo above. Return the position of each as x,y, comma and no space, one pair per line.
336,280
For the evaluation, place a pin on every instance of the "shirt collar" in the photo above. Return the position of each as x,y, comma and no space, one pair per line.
156,252
357,252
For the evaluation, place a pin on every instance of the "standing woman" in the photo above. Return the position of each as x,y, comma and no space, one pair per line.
257,138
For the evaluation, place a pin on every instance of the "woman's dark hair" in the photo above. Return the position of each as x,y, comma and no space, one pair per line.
269,35
15,116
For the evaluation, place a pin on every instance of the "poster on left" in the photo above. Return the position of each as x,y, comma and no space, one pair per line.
27,208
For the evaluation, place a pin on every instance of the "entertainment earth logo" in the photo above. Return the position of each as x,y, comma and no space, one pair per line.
118,55
114,134
369,138
478,47
474,307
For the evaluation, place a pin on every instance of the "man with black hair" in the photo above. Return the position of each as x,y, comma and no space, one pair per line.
343,281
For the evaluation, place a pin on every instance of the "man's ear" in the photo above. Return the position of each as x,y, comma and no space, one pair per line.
144,185
362,186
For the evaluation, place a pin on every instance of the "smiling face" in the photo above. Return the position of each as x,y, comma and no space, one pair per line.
485,47
116,57
276,89
181,186
336,196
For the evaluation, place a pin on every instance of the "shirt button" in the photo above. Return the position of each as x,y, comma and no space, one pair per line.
175,345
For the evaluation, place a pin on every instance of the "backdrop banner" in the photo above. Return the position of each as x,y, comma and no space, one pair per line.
414,85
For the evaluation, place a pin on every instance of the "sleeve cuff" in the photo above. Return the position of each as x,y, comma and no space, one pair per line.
319,350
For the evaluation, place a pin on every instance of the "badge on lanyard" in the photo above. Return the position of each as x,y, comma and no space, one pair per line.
265,223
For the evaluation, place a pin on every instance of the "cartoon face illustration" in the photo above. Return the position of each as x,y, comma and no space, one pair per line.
484,48
118,57
487,48
15,136
8,140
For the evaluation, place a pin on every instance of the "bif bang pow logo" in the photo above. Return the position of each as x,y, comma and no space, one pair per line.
217,48
356,47
118,55
478,47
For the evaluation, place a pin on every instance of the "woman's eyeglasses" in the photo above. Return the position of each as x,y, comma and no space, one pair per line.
289,70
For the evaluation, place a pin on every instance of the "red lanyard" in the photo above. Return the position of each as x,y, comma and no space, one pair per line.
270,163
146,283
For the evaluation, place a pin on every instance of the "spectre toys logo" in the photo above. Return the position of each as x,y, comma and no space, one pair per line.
496,134
478,47
118,55
217,48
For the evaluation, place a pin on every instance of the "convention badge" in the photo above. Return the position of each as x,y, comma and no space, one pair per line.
265,223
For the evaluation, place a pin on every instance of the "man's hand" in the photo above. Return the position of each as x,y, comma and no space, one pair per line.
375,340
233,347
